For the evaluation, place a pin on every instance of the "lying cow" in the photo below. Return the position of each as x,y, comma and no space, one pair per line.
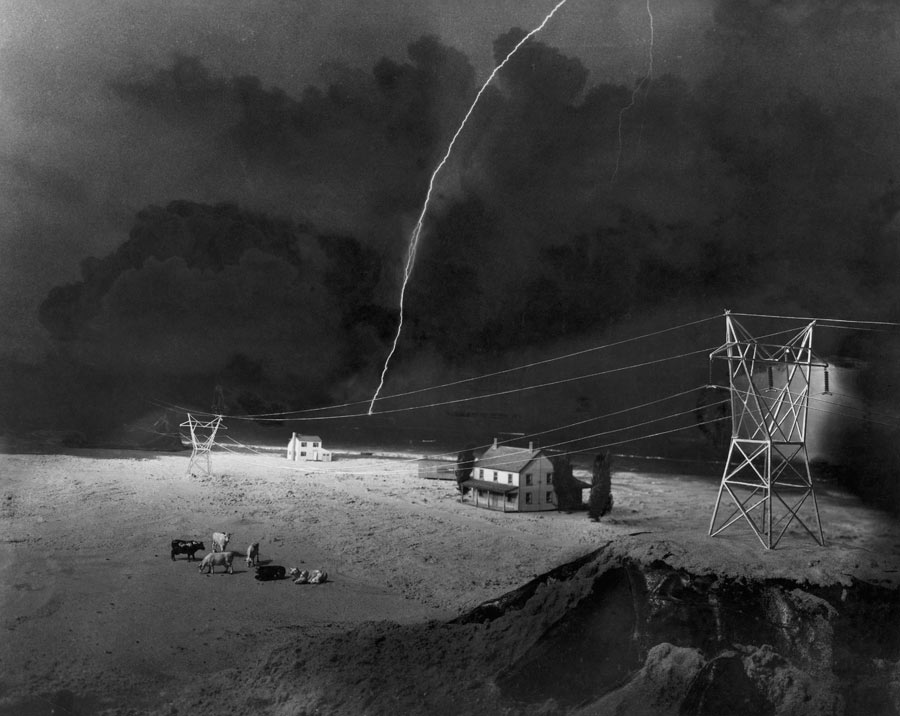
270,572
188,547
317,576
217,559
253,554
220,539
300,576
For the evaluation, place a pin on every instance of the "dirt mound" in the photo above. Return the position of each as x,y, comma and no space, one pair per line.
605,635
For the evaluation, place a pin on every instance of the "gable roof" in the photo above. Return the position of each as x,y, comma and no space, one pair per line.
308,438
507,458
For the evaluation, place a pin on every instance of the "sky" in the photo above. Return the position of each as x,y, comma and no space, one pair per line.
78,163
601,158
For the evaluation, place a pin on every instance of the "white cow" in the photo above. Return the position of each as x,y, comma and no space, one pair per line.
253,554
217,559
220,539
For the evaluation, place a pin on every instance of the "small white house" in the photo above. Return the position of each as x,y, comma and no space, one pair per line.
511,479
307,447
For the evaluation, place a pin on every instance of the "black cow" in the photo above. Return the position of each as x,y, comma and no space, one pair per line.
186,546
269,572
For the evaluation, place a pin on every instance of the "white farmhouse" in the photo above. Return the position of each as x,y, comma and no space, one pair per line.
307,447
511,479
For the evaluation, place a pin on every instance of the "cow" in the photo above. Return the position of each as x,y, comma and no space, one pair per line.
270,572
217,559
188,547
300,576
220,539
303,576
253,554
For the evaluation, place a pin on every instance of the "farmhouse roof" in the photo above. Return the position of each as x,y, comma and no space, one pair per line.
500,487
308,438
507,458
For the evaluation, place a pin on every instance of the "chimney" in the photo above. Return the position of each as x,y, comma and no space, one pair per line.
495,443
530,446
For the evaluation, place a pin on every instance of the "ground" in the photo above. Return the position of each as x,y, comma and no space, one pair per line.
96,617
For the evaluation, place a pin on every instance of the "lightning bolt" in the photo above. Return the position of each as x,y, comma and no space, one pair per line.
640,85
417,231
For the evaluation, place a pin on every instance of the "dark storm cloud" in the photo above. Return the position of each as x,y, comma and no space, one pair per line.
186,88
700,187
45,182
353,155
746,175
831,49
194,287
59,59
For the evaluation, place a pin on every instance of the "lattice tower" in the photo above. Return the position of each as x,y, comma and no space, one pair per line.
203,437
767,475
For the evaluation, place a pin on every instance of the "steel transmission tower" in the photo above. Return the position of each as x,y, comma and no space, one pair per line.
767,476
203,437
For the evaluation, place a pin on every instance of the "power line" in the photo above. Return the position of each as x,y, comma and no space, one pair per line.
546,447
810,318
549,430
298,415
646,437
488,395
622,442
785,407
395,471
635,425
593,435
582,422
455,401
862,408
850,416
485,375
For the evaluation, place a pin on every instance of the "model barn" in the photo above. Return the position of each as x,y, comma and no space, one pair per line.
512,479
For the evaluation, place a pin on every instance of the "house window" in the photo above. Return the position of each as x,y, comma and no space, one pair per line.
510,497
303,453
481,473
495,476
549,478
509,479
527,498
315,444
302,444
528,478
550,496
481,493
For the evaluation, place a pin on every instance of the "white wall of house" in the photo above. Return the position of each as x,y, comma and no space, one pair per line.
501,477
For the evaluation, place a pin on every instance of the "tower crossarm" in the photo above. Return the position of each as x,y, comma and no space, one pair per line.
767,354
